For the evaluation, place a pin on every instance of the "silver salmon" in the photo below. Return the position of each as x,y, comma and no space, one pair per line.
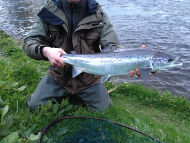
121,62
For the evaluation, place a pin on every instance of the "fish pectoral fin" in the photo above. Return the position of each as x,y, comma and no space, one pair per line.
104,78
145,71
76,71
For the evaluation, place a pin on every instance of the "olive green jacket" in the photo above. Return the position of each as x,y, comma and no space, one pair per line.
51,29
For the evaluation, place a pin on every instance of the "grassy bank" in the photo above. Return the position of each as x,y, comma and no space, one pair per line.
158,114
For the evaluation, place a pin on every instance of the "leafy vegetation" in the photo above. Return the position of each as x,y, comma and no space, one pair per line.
159,114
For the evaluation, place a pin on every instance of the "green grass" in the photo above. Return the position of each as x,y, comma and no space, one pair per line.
162,122
158,114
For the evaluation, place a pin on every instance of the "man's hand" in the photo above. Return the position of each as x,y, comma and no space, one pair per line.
131,73
53,55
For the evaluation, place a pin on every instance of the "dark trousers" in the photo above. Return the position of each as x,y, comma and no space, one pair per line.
96,97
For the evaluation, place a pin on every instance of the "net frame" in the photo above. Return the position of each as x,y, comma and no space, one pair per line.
94,118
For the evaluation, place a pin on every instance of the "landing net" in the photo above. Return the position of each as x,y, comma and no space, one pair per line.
92,130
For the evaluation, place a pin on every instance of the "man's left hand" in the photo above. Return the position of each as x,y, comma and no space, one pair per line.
131,73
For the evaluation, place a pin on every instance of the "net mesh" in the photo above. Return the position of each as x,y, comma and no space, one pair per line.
92,130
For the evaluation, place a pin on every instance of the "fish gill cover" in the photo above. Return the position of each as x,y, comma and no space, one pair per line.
92,130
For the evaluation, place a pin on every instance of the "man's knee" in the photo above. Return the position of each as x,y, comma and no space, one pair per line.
46,90
101,106
96,98
32,105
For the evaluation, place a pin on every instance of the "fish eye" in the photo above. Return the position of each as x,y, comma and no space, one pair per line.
170,60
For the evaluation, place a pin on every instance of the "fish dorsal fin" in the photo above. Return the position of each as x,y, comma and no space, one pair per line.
145,71
104,78
76,71
108,48
73,52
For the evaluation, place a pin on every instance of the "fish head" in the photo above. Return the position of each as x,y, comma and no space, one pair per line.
164,61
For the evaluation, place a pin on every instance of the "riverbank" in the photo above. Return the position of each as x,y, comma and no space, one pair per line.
160,115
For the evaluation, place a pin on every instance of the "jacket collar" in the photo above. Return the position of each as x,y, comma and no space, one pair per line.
52,13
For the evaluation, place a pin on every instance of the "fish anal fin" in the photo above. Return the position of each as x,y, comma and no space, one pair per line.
104,78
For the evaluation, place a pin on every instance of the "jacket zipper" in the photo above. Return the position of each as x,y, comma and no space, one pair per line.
71,30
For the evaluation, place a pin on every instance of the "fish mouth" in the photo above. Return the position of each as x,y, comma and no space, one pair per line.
177,58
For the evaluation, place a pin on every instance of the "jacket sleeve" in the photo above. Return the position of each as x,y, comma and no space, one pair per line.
37,38
108,34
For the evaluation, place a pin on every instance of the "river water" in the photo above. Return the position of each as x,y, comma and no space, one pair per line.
162,25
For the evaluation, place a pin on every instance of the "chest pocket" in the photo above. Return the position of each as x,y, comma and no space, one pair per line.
90,40
58,35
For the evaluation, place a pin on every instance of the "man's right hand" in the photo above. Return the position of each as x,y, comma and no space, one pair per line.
54,56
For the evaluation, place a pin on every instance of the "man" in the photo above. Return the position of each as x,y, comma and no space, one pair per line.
63,26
